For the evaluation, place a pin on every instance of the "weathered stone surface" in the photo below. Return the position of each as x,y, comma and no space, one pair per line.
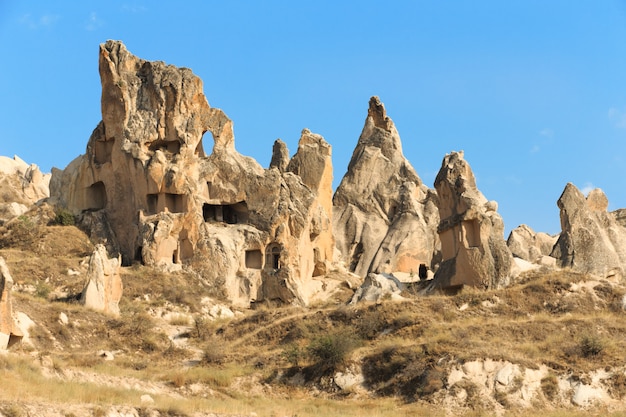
471,231
525,244
280,156
9,331
591,238
620,216
21,186
260,233
377,287
384,217
103,290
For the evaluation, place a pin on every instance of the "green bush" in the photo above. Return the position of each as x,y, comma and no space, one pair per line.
64,218
330,351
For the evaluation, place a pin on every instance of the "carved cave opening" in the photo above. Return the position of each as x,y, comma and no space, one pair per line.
228,213
254,259
103,151
169,147
174,203
95,196
139,254
272,256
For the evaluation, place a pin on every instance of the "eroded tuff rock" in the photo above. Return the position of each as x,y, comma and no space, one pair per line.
9,331
262,233
525,244
591,239
384,217
471,231
103,290
21,186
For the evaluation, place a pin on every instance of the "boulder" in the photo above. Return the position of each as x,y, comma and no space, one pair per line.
377,287
591,240
525,244
148,190
384,217
10,332
103,290
471,231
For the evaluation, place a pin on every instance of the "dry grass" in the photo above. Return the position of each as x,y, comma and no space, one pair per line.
404,348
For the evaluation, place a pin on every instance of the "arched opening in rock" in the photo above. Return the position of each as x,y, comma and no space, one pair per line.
102,151
175,258
228,213
272,256
254,259
95,196
200,147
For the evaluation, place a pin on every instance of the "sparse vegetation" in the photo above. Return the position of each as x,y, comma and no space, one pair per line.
405,349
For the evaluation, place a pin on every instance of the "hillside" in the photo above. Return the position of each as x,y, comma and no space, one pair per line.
551,344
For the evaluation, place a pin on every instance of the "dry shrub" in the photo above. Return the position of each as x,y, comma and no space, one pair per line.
550,386
617,385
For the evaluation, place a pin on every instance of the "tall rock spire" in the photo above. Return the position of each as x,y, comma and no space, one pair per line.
384,217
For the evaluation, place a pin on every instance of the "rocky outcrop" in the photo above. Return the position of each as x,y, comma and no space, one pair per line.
471,231
103,290
261,233
377,287
591,238
10,333
21,186
384,217
525,244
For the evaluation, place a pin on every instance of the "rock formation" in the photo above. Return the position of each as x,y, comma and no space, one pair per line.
525,244
591,239
9,331
471,231
262,233
384,217
377,287
21,185
103,290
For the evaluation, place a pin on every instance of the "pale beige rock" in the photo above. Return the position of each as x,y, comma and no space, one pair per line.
10,332
377,287
471,231
591,239
385,218
524,243
103,290
146,188
21,186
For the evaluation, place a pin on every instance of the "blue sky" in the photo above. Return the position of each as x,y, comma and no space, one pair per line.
534,92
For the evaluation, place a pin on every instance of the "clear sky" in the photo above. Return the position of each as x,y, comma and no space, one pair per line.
534,92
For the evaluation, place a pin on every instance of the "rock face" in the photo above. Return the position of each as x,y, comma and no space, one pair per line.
384,217
262,234
377,287
591,239
21,185
9,331
104,284
471,231
525,244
